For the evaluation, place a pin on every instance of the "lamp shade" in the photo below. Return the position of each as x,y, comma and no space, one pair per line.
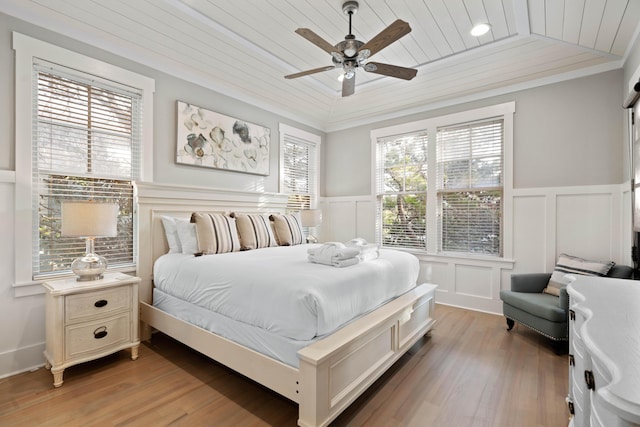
89,219
311,217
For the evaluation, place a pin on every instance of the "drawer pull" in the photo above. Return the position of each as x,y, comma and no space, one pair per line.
572,315
101,303
100,332
590,380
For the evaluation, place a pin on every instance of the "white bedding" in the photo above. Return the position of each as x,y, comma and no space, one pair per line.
264,342
279,290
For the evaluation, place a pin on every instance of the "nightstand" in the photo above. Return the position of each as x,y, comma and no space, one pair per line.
88,320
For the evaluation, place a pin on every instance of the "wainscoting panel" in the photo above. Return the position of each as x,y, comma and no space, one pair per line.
589,221
344,218
473,281
584,225
529,225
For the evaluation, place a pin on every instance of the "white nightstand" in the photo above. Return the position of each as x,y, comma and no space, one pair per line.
88,320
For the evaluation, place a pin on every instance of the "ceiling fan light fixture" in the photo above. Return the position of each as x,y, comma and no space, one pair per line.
350,49
349,71
480,29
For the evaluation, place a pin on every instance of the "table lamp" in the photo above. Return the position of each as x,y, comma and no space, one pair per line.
89,220
311,218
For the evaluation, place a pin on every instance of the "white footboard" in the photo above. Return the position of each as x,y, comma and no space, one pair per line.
337,369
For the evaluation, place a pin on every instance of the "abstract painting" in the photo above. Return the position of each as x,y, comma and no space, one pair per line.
213,140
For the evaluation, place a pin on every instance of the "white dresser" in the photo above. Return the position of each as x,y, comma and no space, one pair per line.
87,320
604,352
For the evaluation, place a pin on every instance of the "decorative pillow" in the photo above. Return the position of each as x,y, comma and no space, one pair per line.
288,229
171,232
254,230
216,233
568,264
187,235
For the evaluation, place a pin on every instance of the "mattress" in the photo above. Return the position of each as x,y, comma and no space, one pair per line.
272,345
278,290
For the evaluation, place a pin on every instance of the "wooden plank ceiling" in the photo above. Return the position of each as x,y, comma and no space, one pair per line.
243,48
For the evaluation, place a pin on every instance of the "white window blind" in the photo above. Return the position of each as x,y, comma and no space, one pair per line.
402,190
86,146
469,177
299,172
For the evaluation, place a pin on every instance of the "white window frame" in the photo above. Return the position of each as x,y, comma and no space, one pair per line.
26,50
314,141
431,125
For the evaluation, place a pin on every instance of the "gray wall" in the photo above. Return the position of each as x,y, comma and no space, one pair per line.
565,134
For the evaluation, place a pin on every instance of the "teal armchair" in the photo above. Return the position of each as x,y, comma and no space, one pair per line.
526,304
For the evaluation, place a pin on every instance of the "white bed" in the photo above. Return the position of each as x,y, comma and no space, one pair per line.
330,370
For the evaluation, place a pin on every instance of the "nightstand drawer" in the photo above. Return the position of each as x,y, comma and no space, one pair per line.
90,338
87,306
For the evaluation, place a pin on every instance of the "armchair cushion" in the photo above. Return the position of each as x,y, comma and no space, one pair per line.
538,304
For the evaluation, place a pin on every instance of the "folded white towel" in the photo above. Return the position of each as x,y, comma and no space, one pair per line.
369,254
358,241
367,251
335,262
333,251
340,254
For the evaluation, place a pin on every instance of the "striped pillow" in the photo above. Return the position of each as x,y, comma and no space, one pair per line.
288,229
568,264
254,230
216,233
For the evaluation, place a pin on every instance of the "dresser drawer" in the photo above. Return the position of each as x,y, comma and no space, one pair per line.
88,306
90,338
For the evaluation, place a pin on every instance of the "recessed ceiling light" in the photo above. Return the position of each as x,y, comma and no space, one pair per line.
480,29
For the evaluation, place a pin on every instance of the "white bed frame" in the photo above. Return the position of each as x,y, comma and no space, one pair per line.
334,371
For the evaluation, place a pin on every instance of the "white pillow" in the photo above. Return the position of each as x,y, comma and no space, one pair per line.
171,232
188,239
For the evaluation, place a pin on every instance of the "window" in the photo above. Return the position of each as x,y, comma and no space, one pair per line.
440,183
86,141
402,190
469,159
65,150
299,167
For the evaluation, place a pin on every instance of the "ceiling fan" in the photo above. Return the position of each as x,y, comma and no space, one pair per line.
351,53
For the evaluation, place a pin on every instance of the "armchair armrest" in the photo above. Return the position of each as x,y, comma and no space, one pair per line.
530,282
564,299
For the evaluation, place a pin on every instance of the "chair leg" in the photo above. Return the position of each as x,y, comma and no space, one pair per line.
510,324
560,347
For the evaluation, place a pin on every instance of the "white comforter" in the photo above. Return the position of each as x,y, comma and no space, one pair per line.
279,290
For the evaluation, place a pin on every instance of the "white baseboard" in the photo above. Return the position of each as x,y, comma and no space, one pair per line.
21,360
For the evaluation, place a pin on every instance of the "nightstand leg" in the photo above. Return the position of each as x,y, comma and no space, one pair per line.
134,352
57,377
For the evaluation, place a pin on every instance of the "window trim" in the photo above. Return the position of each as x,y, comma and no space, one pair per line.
506,111
26,50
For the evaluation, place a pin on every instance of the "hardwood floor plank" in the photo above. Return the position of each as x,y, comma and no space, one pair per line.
469,371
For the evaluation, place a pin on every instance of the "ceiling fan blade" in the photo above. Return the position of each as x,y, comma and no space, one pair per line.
306,73
387,36
317,40
390,70
348,86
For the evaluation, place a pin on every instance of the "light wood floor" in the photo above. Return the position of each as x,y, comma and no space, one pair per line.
469,372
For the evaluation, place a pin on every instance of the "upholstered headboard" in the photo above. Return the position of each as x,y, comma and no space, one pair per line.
154,201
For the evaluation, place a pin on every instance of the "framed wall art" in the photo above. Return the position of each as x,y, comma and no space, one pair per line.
213,140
